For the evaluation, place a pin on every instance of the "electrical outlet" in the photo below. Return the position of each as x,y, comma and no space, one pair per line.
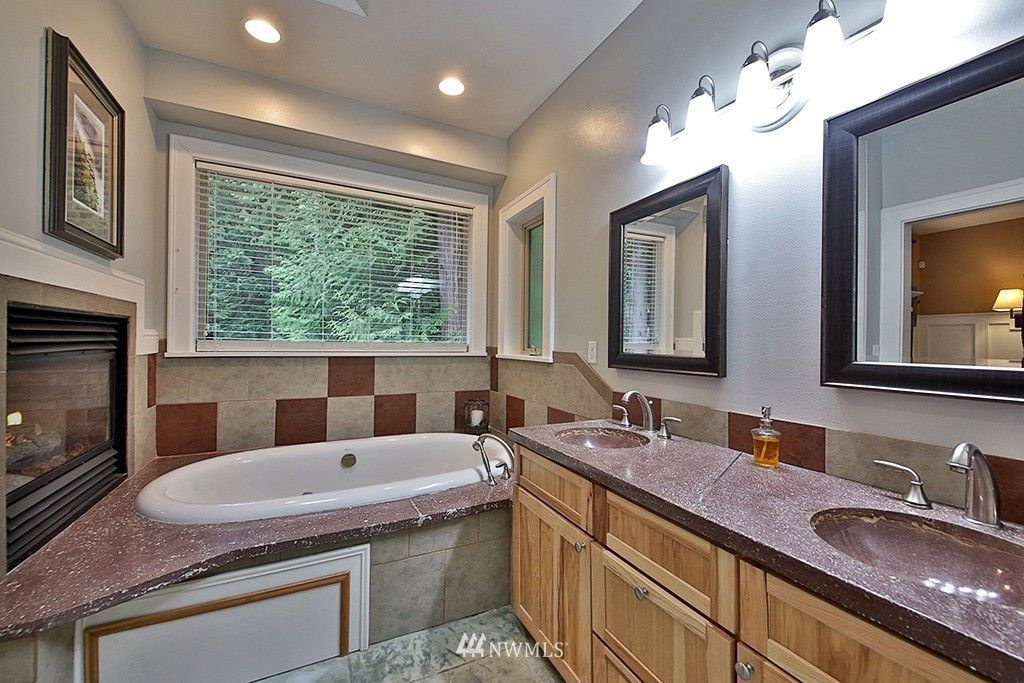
592,352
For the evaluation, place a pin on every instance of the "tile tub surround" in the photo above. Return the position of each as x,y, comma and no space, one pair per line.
763,516
112,554
216,404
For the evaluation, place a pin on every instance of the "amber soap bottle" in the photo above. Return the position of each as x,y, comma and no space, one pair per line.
766,441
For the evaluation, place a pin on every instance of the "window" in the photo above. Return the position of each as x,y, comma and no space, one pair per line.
643,275
526,274
282,262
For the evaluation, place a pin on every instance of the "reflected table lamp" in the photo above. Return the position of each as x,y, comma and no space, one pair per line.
1012,301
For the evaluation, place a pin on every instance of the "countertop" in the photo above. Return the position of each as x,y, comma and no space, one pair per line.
764,516
112,554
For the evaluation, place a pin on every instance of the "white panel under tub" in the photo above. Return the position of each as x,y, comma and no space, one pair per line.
268,619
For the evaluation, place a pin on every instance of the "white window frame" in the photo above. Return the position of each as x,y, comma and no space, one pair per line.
184,152
522,211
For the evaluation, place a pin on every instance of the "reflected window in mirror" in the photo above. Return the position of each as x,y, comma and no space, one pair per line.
924,236
533,330
667,284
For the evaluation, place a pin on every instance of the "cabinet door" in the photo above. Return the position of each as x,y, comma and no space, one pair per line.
659,637
608,668
566,492
816,641
551,583
754,668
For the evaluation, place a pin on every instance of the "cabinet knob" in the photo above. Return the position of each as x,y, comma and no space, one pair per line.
640,592
744,671
579,546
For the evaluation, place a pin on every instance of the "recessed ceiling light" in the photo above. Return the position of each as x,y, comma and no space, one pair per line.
451,86
262,30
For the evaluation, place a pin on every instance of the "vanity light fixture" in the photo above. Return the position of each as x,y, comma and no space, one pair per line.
702,105
754,93
262,30
823,40
659,138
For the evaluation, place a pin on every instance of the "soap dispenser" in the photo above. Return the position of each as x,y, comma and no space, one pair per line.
766,441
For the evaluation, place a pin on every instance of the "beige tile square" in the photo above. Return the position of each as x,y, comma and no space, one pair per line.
144,437
444,535
699,423
536,414
56,654
389,547
476,578
287,378
417,375
406,595
850,455
495,524
435,411
497,406
17,661
172,380
245,424
349,417
218,379
140,383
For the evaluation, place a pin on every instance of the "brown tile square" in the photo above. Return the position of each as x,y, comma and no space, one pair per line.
1009,476
515,412
802,445
350,376
460,405
185,428
494,373
300,420
556,416
394,414
636,415
151,380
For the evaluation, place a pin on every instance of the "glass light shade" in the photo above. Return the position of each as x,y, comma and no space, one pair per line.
1009,300
700,112
754,94
822,44
659,142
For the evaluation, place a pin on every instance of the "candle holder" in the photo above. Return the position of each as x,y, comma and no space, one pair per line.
477,413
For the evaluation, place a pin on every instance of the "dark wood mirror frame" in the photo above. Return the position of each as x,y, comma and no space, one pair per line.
839,364
715,185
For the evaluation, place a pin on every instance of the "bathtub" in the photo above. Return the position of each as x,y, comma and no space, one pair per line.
295,480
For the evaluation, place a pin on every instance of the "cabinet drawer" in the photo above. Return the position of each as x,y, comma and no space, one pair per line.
608,668
761,670
567,493
816,641
695,570
658,637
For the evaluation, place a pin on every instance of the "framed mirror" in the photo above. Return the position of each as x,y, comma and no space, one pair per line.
666,306
923,236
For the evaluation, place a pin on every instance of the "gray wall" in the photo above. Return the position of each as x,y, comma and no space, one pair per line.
591,133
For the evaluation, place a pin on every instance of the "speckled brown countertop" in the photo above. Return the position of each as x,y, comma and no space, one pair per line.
112,554
764,516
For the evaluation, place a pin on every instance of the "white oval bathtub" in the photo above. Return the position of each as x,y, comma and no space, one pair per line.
295,480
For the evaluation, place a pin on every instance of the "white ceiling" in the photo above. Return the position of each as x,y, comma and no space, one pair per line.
970,219
511,54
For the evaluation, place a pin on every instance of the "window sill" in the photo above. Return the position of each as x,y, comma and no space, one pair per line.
526,357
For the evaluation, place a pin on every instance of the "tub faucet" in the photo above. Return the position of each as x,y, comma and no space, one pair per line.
982,506
645,407
506,468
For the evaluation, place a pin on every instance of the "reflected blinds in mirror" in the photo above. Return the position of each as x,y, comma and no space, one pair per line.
643,277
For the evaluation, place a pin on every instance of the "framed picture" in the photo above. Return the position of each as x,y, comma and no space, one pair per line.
83,186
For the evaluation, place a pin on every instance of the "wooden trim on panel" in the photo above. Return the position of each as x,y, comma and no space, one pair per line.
725,606
605,659
600,514
93,634
764,671
753,607
581,517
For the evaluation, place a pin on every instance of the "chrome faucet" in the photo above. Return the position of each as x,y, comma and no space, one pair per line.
478,445
982,506
645,406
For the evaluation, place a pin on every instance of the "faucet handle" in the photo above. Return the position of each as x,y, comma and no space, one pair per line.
624,421
664,432
916,496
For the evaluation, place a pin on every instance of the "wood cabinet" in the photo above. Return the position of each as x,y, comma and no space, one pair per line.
658,636
567,493
696,570
817,641
608,668
551,583
754,668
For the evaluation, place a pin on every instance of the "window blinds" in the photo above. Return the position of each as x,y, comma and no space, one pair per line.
283,261
642,292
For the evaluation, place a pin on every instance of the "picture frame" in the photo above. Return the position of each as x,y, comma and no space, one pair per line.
83,177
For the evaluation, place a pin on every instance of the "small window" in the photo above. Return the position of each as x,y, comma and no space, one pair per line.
533,332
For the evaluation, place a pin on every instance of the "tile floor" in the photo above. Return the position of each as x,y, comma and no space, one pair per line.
429,656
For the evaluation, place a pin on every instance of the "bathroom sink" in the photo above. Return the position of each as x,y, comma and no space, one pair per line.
951,559
601,437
